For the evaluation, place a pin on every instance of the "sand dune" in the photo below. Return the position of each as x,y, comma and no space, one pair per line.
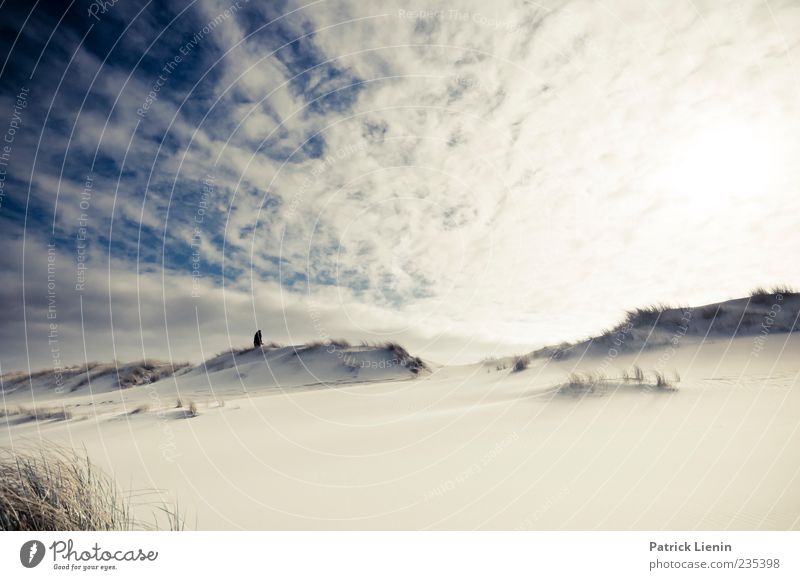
362,438
759,315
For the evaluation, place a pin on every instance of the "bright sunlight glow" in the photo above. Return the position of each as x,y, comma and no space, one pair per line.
720,167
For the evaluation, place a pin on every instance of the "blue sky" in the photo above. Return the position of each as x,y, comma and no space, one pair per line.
469,180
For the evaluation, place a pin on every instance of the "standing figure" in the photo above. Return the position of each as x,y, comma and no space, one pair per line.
257,339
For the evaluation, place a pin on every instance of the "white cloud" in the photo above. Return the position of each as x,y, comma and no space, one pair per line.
504,175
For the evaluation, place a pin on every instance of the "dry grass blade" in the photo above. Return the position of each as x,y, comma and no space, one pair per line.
61,491
58,491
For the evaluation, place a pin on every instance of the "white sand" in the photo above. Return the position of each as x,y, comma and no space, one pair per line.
458,448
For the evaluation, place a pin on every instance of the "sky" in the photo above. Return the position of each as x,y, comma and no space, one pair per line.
468,179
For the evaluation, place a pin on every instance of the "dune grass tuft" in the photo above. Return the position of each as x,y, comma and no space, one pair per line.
59,490
662,382
582,384
783,289
596,383
764,295
521,362
43,414
334,342
645,316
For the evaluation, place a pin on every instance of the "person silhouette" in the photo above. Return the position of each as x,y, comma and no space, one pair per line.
257,339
